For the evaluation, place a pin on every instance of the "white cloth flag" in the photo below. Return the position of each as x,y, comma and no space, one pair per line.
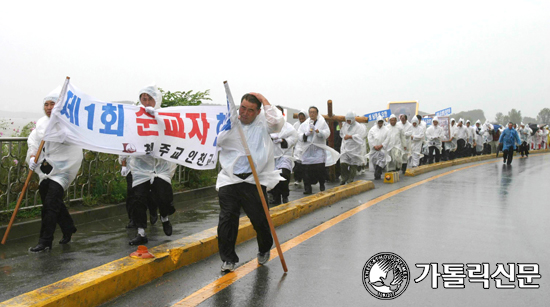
183,135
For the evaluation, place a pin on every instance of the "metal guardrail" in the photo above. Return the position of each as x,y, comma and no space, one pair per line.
98,173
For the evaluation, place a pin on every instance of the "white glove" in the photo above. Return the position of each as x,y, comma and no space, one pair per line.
124,171
274,136
277,141
32,164
150,110
311,127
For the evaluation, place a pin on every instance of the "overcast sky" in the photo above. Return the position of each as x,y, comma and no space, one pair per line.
493,55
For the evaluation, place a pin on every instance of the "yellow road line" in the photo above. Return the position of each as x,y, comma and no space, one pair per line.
223,282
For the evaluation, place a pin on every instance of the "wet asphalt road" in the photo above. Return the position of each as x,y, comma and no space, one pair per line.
489,213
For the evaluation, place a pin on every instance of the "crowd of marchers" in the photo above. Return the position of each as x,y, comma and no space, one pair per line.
278,149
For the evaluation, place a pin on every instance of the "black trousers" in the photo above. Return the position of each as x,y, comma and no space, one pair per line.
298,171
524,149
508,155
232,198
281,189
160,192
53,211
131,199
431,151
314,173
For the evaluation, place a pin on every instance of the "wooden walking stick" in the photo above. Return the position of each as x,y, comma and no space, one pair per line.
22,194
63,90
257,180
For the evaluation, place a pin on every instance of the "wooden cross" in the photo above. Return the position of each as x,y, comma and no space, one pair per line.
330,119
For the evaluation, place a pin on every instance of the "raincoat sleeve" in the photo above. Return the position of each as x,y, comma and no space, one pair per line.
33,143
324,132
419,136
275,120
291,137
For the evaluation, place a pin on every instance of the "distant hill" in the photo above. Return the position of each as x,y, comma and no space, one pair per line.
472,115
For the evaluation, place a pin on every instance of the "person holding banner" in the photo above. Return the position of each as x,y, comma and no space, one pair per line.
283,143
434,134
57,167
351,149
317,155
298,150
130,197
235,184
378,142
151,178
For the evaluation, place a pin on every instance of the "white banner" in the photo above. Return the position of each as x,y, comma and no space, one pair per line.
183,135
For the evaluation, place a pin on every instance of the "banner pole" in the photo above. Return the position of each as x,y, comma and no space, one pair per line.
257,180
5,238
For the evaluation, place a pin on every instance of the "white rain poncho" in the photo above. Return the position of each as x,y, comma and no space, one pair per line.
351,151
395,148
488,132
299,148
378,136
524,133
233,158
417,138
314,147
471,131
452,145
478,136
434,135
64,159
461,132
147,168
283,156
407,132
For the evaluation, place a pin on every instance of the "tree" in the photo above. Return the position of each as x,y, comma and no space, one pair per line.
172,99
499,118
514,116
544,116
529,120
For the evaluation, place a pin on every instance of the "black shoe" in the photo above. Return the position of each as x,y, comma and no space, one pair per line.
67,237
308,192
40,247
342,182
153,219
138,240
285,199
322,187
131,224
167,227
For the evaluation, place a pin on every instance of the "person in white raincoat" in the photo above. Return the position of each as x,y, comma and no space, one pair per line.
236,186
471,151
417,138
56,167
299,150
351,153
151,178
434,135
283,142
451,145
487,137
317,155
407,132
461,133
478,138
395,144
524,134
378,155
